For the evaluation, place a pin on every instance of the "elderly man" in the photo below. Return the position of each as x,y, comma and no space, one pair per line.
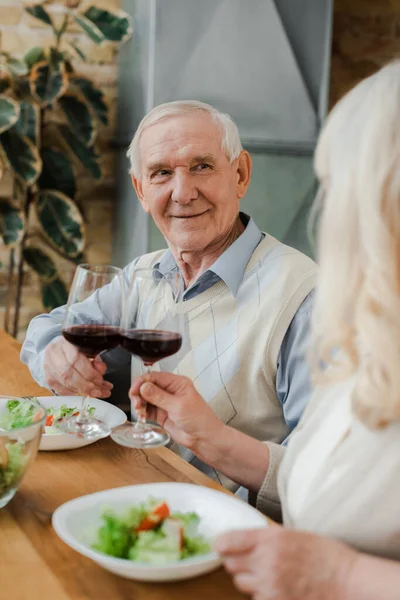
248,296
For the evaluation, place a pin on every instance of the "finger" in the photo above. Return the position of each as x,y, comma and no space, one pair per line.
245,583
140,409
69,379
99,365
237,541
174,384
82,376
237,563
138,402
135,386
156,396
82,365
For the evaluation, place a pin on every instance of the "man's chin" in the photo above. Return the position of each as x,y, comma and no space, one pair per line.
189,241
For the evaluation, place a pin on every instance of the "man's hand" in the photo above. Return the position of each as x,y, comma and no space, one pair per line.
281,564
175,404
68,371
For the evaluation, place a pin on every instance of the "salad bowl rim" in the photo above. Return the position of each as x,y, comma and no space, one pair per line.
5,432
59,525
62,433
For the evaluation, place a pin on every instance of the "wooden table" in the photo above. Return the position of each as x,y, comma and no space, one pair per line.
34,562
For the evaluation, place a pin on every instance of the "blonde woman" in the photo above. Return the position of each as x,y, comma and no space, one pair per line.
339,482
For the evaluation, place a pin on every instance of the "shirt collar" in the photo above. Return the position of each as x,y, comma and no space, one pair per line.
232,263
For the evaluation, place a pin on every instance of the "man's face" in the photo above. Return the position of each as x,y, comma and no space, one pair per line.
187,183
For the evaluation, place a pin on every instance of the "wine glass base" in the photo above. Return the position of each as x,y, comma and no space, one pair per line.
88,428
133,435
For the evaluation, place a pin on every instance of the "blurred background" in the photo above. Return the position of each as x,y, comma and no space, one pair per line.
76,77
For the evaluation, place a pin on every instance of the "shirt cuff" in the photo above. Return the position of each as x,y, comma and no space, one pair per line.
267,500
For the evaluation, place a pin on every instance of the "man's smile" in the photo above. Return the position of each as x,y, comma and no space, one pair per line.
189,216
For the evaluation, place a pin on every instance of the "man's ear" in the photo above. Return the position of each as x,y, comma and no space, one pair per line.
137,184
243,173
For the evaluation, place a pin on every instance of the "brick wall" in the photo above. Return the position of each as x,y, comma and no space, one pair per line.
366,35
19,32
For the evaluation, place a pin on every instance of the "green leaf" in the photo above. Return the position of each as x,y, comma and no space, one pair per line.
11,224
56,59
46,83
40,13
54,294
94,96
28,122
57,173
22,88
79,52
90,29
40,262
5,79
17,66
85,154
116,27
33,56
79,118
61,222
9,112
21,155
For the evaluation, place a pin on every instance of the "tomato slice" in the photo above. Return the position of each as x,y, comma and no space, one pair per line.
49,420
36,418
155,517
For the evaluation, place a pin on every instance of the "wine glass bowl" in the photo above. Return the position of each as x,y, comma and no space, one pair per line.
92,324
19,444
152,327
151,345
92,339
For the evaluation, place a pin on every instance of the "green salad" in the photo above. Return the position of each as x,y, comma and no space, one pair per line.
12,464
20,413
151,533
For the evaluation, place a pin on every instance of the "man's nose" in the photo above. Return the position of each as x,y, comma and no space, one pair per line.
183,189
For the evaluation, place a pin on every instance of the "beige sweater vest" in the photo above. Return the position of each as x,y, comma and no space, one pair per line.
235,341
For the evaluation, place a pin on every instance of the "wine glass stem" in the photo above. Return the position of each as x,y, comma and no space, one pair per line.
83,413
141,415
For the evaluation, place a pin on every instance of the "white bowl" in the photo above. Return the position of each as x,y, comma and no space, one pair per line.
105,411
77,521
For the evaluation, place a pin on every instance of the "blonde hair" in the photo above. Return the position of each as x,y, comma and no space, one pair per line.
356,320
230,139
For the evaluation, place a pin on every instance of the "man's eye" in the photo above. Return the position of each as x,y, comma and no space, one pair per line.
202,167
161,173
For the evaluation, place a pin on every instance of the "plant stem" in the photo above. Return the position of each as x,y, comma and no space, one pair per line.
20,270
18,292
11,266
62,29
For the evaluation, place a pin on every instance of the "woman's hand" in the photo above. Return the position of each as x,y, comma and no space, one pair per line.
175,404
282,564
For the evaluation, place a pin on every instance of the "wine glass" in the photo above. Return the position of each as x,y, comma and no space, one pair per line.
91,323
152,328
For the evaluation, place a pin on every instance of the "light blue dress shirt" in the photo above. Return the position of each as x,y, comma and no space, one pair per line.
292,377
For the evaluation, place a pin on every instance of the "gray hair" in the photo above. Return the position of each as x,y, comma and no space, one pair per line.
230,139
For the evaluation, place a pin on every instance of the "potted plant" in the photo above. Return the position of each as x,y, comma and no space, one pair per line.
49,117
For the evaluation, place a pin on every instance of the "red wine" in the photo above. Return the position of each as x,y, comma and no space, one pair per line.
93,339
151,344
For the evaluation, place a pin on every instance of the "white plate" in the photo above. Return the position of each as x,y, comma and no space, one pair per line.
77,521
105,411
